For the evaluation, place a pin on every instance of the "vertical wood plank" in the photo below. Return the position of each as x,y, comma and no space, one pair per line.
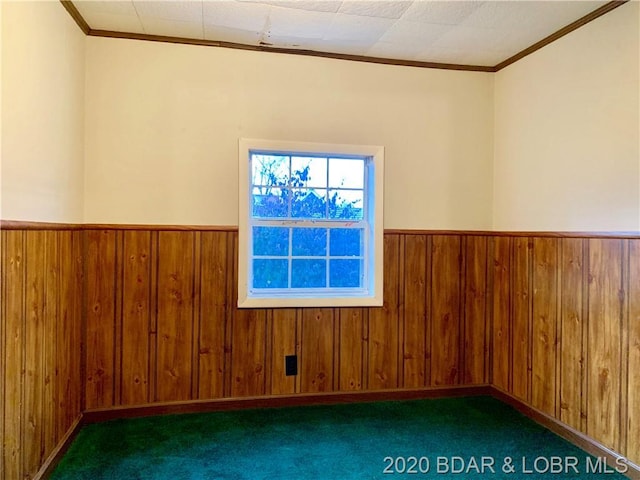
79,323
213,306
383,339
50,320
136,288
298,346
623,373
429,320
14,351
100,317
401,305
351,349
68,331
445,310
65,394
175,315
153,320
572,324
605,290
316,359
268,349
195,315
415,310
248,352
545,268
62,337
520,319
586,246
335,349
34,346
232,302
117,335
475,298
77,326
501,312
633,386
283,342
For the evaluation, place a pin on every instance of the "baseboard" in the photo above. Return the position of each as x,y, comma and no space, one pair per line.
58,452
275,401
570,434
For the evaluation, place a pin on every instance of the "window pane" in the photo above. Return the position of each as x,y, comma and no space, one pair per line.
345,242
270,202
347,204
273,241
346,173
309,172
308,273
309,203
309,242
270,273
345,273
269,170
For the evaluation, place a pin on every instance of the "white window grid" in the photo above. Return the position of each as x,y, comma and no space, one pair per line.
326,223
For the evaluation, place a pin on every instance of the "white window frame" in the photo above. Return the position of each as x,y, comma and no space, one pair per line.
371,295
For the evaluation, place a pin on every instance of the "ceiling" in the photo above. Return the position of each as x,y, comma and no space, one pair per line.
479,33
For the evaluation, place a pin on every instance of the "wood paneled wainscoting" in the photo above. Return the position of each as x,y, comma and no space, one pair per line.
551,321
41,391
566,332
162,323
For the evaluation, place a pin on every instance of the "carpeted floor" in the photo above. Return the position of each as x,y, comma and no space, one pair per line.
447,437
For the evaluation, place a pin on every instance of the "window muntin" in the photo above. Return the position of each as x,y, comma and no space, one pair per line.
326,255
308,233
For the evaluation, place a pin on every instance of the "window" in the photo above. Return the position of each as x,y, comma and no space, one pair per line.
310,227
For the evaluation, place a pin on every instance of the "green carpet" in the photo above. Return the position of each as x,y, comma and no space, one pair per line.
337,442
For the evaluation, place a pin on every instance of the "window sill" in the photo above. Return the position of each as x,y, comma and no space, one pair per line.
305,302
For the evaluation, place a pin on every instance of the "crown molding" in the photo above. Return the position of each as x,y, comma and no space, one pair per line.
86,28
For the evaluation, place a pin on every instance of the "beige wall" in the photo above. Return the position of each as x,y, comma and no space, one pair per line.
163,123
159,126
42,113
566,132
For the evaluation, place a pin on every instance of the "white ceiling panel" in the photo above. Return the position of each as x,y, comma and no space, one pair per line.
331,6
237,15
480,33
170,10
440,12
172,28
349,27
468,38
406,33
376,8
514,15
290,22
